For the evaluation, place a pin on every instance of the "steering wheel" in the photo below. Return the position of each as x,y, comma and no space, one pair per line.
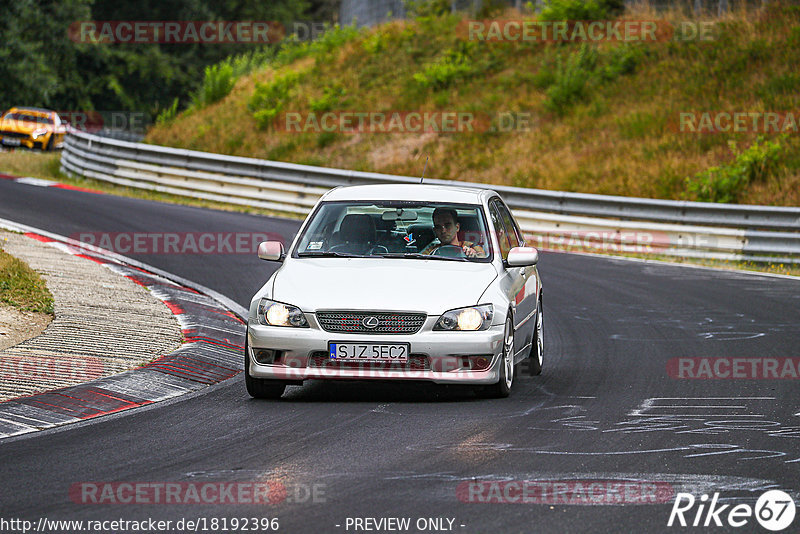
343,247
449,251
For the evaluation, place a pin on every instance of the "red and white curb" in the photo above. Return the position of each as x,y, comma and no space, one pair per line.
41,182
212,351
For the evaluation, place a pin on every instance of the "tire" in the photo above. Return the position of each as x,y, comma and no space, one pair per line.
536,357
259,388
51,144
502,388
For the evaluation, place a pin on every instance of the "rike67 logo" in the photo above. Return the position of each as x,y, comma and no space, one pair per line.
774,510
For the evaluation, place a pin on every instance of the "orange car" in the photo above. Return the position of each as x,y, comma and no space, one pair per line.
32,128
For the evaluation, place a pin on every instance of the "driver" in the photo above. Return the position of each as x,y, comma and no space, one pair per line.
446,227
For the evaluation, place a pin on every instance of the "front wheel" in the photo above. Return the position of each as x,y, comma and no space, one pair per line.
536,357
502,388
260,388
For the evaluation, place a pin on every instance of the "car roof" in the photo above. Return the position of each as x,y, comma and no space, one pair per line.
32,110
411,192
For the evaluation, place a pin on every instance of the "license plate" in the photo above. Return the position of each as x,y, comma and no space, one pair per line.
369,352
11,142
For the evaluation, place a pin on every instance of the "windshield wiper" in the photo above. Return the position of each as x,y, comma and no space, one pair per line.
417,255
328,254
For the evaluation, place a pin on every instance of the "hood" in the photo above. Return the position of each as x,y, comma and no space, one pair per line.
430,286
21,126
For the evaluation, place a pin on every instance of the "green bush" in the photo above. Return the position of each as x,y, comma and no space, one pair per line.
569,82
453,65
726,183
244,64
269,99
168,114
374,44
217,83
291,50
570,79
427,8
333,38
331,98
219,79
622,60
555,10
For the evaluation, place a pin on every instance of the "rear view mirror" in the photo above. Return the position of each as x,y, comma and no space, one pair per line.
270,250
522,257
399,215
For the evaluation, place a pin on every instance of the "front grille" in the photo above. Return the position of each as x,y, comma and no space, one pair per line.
388,322
416,362
17,135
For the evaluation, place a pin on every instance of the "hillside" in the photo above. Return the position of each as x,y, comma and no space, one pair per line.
606,117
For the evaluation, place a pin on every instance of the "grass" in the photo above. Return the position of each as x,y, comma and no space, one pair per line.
22,287
604,115
30,163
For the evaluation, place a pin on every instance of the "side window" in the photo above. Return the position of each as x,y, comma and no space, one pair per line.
499,228
513,237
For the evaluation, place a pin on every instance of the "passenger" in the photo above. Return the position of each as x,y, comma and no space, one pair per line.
446,228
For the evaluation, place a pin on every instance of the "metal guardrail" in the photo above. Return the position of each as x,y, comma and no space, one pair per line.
554,220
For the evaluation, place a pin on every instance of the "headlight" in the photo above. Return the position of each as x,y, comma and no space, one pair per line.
471,318
273,313
38,133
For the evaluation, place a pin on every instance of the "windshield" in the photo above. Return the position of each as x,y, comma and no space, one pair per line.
413,230
27,117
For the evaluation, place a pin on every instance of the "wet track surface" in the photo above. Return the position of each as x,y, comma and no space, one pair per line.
605,409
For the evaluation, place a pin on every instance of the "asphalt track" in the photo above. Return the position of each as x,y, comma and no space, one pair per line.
605,408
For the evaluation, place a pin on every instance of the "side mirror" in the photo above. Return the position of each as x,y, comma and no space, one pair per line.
270,250
522,257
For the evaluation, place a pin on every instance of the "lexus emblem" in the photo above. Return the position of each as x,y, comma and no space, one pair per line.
370,322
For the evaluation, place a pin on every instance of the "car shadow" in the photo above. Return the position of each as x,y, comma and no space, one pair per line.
372,391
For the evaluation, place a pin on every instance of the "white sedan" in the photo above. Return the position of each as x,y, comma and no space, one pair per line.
398,282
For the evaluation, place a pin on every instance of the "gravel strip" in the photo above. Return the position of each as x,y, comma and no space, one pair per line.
104,324
16,326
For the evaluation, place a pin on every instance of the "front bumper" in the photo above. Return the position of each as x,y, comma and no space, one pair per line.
303,354
22,142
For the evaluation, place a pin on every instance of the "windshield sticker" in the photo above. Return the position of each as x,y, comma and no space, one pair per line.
314,245
410,239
